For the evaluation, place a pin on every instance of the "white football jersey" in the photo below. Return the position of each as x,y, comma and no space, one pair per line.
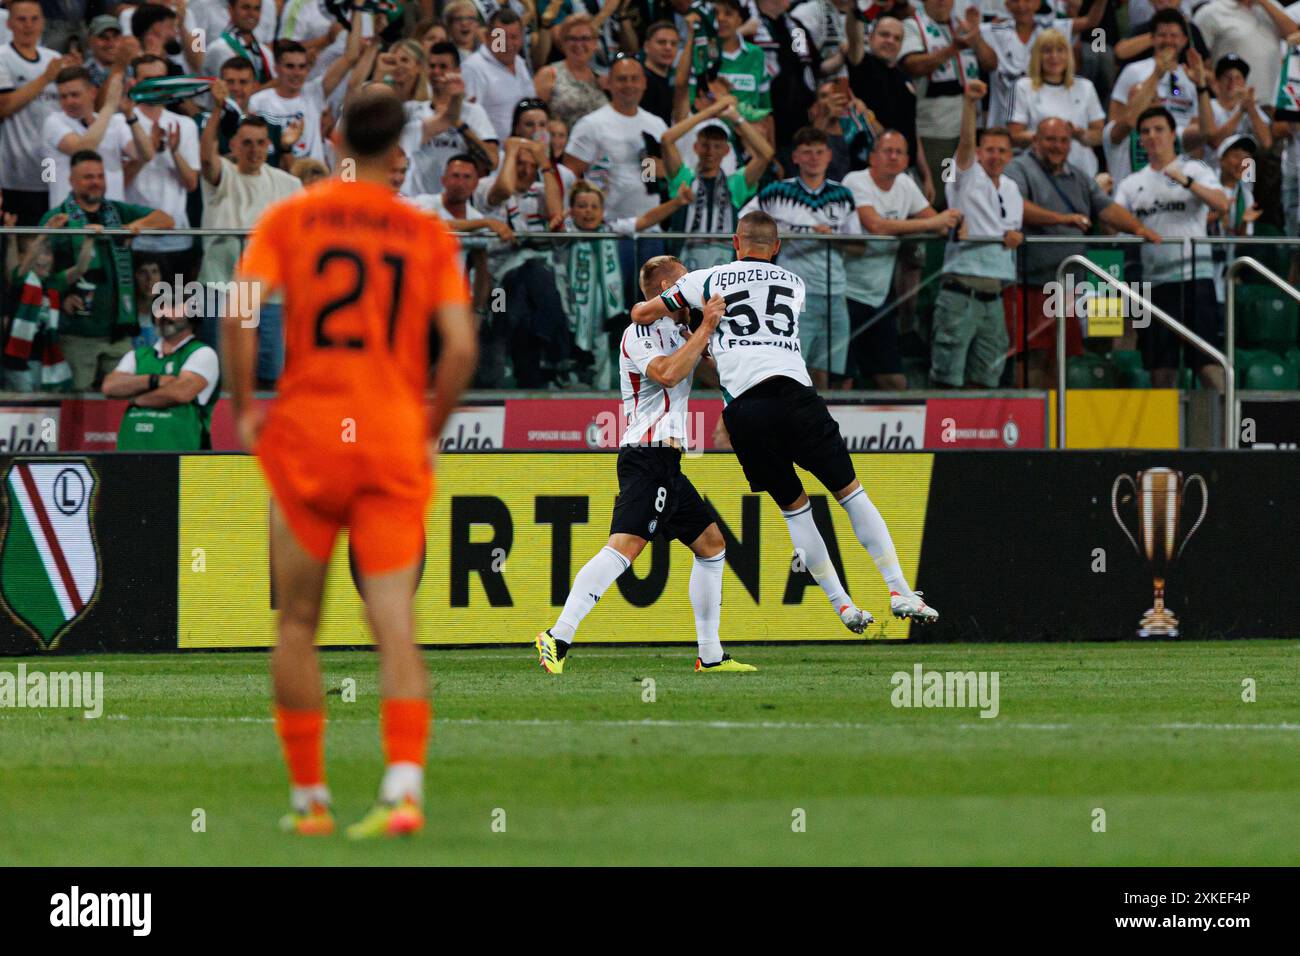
759,336
651,413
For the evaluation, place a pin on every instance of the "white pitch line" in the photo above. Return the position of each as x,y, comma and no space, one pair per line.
735,724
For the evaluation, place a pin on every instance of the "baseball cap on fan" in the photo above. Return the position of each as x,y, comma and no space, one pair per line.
102,24
1238,141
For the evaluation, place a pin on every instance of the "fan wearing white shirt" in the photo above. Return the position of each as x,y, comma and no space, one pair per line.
1173,199
496,75
889,204
1051,90
459,182
1235,111
295,99
27,96
116,136
165,180
239,38
969,342
445,125
1013,40
1158,81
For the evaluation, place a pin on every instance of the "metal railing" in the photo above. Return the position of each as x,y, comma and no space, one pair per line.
1230,340
1182,331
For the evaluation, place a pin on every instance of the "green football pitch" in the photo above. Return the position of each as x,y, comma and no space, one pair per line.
805,762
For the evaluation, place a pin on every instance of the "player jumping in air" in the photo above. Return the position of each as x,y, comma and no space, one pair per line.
656,364
347,441
775,418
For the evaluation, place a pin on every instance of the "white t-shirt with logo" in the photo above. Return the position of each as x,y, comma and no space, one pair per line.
282,110
1167,208
614,147
112,147
21,139
650,411
759,337
1013,61
428,160
870,276
988,210
158,183
1078,104
796,208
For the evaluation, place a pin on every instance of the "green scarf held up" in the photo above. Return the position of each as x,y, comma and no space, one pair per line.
591,282
126,323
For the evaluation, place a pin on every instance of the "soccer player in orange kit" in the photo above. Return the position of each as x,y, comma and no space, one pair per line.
349,441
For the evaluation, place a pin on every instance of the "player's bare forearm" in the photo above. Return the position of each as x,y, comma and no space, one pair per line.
669,370
457,360
643,313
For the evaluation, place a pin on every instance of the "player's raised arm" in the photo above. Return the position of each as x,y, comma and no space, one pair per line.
669,370
687,292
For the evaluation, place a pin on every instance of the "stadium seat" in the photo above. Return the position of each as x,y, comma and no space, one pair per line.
1266,318
1277,258
1272,374
1245,358
1090,371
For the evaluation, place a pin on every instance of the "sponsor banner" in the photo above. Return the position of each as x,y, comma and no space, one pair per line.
1269,425
589,424
506,535
985,423
1120,418
29,428
881,427
88,553
91,424
1048,546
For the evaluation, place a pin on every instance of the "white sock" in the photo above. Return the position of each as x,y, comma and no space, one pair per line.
808,542
706,599
402,780
873,534
591,583
301,798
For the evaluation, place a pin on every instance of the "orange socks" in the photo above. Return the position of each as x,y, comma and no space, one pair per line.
406,730
302,734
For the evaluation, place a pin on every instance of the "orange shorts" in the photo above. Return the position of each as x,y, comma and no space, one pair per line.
382,505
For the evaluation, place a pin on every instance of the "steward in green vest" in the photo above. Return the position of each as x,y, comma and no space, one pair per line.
173,386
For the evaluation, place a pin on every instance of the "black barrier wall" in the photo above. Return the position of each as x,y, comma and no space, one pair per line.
88,553
1026,547
97,552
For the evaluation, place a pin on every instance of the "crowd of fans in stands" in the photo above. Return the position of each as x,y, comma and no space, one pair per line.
994,119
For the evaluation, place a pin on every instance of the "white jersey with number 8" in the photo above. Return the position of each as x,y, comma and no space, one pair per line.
759,336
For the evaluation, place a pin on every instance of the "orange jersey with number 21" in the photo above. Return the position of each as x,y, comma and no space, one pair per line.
362,273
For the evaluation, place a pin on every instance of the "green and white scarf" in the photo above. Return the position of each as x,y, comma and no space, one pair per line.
591,284
253,52
120,254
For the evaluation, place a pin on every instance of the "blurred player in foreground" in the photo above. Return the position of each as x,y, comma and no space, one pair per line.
349,441
775,417
656,365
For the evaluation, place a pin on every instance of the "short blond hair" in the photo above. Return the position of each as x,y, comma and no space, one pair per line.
653,272
1046,39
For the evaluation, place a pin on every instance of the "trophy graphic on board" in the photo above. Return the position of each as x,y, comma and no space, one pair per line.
1158,498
